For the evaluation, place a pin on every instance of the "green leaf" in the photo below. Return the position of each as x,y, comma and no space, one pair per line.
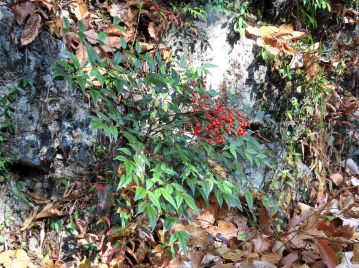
190,202
73,59
152,215
123,42
182,238
141,193
138,48
249,199
154,197
168,197
117,59
125,151
125,179
102,37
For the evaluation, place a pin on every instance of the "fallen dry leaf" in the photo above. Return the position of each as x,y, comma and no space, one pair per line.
199,237
261,244
337,179
31,30
206,219
14,258
327,253
224,229
22,11
49,211
275,39
265,220
79,9
288,260
356,254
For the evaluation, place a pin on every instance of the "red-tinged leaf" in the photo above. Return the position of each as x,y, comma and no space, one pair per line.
99,186
327,253
104,219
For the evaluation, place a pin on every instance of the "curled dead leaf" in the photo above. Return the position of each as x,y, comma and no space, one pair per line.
275,39
31,29
49,211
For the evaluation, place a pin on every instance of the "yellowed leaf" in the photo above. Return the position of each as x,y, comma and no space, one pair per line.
79,9
14,258
54,26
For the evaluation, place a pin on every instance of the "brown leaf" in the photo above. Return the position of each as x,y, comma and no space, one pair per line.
29,219
310,61
337,178
261,244
356,254
327,253
288,260
31,30
118,10
199,237
265,220
224,229
153,31
22,11
49,211
55,26
79,9
206,219
275,39
272,258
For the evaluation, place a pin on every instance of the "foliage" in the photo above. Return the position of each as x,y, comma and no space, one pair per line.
237,11
149,112
7,120
310,9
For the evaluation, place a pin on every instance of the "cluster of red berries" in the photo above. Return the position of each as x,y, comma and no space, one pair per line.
212,121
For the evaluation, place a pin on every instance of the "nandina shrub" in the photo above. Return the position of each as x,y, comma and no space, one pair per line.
175,141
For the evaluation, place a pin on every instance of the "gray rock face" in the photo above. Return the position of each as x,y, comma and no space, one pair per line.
52,122
237,70
53,139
